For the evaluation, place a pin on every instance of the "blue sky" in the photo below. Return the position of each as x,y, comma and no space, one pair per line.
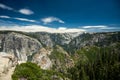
60,15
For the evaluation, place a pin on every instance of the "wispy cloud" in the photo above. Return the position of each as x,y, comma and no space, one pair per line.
100,28
51,19
26,11
3,16
5,7
18,18
22,11
39,28
94,27
24,19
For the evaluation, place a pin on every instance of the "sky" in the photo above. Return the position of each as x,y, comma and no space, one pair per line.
60,15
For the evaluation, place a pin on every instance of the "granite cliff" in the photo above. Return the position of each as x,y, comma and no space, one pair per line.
49,50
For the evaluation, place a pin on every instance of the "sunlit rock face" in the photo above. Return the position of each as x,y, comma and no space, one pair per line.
44,38
42,59
52,39
3,63
7,61
20,45
98,39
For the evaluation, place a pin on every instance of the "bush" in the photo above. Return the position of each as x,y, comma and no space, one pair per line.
30,71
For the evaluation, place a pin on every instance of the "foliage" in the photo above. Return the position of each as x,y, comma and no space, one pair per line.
31,71
101,63
57,55
59,59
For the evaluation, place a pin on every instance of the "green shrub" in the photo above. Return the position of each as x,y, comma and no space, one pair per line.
31,71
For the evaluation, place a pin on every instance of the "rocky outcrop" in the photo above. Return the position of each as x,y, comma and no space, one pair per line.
19,45
57,59
7,61
90,39
34,46
63,38
42,59
61,60
52,39
45,39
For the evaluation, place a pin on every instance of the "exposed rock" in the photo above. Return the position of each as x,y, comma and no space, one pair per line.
63,38
35,46
89,39
45,39
52,39
19,44
42,59
7,62
61,60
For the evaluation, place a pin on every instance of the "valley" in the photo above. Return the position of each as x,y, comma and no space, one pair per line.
60,56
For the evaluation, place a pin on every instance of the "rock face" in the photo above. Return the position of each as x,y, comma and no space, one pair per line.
42,59
19,45
61,60
63,38
98,39
45,39
48,50
33,46
52,39
3,64
7,61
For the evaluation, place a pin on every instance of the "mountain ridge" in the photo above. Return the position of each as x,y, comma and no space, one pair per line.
52,50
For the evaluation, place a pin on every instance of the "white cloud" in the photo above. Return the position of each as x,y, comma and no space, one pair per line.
94,27
39,28
62,28
51,19
100,28
26,11
24,19
3,16
17,18
22,11
5,7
